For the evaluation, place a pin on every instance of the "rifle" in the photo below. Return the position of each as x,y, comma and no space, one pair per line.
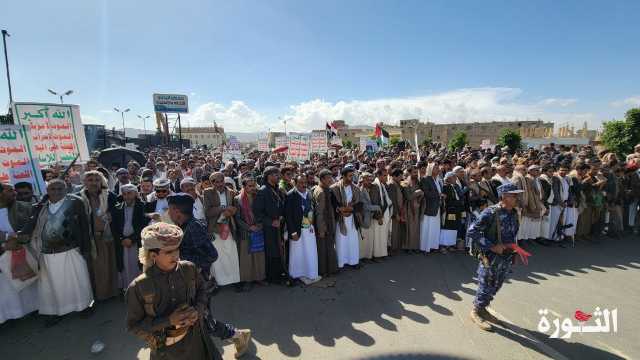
66,171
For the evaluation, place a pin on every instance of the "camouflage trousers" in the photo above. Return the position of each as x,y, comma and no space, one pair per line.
491,275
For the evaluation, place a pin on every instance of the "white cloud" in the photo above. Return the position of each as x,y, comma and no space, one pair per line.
630,101
463,105
558,102
236,117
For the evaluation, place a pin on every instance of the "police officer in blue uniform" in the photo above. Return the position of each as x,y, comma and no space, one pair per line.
491,233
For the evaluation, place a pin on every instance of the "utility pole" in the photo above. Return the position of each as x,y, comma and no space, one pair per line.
144,126
180,133
5,34
124,132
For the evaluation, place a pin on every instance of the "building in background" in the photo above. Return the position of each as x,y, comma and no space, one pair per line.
476,132
209,135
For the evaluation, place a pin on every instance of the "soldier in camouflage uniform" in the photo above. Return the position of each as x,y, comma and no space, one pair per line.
491,233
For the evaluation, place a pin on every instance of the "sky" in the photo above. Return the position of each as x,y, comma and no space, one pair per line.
250,65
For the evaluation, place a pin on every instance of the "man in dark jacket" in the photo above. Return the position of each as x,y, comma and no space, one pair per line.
128,221
268,209
196,244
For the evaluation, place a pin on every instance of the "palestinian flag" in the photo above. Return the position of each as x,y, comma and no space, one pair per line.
382,135
331,131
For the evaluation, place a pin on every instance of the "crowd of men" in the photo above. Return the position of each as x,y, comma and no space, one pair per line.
265,220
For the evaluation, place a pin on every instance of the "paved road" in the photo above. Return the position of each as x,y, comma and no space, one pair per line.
409,307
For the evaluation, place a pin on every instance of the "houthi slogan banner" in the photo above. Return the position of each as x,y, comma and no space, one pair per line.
282,141
299,147
54,132
17,163
263,145
319,142
232,150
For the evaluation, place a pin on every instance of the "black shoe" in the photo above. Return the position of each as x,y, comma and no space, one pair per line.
52,320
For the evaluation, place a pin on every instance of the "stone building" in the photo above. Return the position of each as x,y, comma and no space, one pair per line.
209,135
476,132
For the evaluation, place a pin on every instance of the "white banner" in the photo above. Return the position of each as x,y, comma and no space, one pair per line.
263,145
319,142
282,141
54,131
232,150
299,147
18,165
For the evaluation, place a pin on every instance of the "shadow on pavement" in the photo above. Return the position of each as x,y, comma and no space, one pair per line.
379,292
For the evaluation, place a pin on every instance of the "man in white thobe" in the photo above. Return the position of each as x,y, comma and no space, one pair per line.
348,202
220,212
303,252
381,231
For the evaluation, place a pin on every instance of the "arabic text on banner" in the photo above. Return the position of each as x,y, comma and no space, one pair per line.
232,150
17,163
282,141
319,142
299,147
55,131
263,145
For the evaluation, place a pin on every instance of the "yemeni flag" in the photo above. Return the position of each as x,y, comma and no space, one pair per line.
332,130
382,135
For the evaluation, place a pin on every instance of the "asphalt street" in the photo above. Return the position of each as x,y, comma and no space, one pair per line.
408,307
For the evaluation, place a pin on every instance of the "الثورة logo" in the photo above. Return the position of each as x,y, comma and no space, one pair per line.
605,321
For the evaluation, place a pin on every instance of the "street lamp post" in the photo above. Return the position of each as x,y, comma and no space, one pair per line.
124,132
144,126
61,94
6,62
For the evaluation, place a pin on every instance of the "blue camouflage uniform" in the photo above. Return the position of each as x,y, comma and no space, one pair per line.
493,268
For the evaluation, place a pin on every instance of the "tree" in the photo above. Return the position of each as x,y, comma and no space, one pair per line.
510,138
458,141
620,136
426,142
616,137
632,118
347,144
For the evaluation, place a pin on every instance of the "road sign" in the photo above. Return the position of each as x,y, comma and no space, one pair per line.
171,103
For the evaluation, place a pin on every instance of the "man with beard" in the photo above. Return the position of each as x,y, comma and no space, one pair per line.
268,209
325,224
157,203
123,178
100,203
381,220
371,213
250,236
219,210
348,206
24,192
303,252
13,216
60,230
413,210
188,186
145,188
398,225
128,221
